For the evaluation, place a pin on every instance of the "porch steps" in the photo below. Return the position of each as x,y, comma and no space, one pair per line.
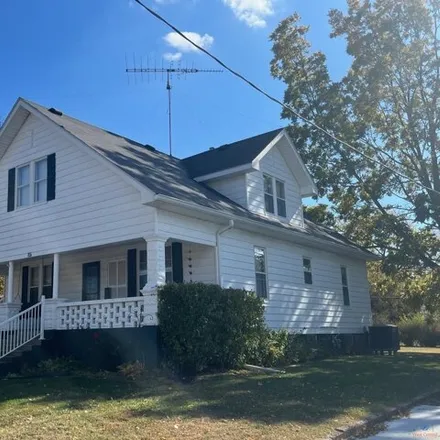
28,354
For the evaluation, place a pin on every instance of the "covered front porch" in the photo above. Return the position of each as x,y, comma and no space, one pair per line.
111,286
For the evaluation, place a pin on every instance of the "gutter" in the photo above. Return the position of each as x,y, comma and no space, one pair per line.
217,248
319,242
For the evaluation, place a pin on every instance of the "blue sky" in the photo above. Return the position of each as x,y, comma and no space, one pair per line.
71,55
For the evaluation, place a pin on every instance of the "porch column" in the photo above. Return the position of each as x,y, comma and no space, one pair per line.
155,261
56,276
10,291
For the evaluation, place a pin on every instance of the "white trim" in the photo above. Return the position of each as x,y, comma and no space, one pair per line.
306,190
227,172
279,231
146,193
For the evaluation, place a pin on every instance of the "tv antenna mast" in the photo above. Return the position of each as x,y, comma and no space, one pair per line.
170,72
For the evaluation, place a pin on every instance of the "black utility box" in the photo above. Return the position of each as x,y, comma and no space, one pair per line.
384,338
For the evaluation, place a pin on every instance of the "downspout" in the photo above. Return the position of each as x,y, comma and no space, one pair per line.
217,247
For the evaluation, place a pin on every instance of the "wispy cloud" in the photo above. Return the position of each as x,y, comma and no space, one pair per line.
251,12
172,56
177,42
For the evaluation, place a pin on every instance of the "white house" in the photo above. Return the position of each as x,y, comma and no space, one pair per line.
93,222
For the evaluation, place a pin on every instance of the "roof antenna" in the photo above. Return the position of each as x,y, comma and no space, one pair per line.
169,71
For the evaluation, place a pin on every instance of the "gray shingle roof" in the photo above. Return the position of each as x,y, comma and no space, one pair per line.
230,155
168,176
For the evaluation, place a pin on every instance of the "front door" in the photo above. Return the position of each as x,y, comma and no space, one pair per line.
91,281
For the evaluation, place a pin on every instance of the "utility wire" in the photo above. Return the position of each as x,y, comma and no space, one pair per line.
277,101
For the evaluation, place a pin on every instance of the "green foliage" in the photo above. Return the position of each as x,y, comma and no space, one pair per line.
204,326
386,106
132,370
417,331
320,214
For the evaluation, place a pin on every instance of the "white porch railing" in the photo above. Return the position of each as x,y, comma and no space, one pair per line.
21,329
109,313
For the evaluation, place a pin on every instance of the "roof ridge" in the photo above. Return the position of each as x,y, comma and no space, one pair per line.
111,133
225,146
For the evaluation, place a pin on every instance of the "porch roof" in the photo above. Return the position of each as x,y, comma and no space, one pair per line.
168,176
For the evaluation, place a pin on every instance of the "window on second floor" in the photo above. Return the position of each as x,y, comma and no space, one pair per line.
274,189
32,183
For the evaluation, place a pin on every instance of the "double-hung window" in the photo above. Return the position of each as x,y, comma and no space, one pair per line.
345,292
117,278
23,185
269,204
260,272
40,181
307,265
32,183
281,198
274,189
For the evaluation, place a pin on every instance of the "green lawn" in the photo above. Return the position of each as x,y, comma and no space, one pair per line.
308,402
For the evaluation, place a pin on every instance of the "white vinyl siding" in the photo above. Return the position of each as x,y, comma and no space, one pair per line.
94,206
202,262
291,304
274,165
232,187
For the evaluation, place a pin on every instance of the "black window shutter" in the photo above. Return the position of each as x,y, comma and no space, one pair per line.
131,273
48,290
11,189
177,256
51,176
24,286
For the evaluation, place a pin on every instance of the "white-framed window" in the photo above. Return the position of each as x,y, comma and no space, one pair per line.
40,181
345,291
143,268
274,189
307,265
260,271
168,264
23,185
269,204
117,278
31,186
281,198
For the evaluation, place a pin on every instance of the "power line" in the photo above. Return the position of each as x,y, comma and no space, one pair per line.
277,101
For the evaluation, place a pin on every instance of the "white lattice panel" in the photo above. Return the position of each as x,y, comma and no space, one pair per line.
114,313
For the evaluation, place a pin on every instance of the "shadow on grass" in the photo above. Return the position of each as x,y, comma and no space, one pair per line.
311,393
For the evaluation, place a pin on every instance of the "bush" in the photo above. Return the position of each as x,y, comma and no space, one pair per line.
415,331
132,370
203,326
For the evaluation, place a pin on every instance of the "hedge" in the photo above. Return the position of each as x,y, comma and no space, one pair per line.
204,326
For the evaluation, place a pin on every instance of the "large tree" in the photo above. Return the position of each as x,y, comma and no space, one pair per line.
388,107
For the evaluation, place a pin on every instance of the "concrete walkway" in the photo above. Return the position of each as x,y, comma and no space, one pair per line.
422,423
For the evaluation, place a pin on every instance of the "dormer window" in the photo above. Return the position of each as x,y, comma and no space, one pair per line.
274,188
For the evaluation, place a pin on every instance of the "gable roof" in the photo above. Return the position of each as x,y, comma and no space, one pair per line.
229,155
168,176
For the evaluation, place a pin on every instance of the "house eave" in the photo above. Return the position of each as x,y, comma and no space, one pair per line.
209,214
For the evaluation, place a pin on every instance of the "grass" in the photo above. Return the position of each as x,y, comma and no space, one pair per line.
308,402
